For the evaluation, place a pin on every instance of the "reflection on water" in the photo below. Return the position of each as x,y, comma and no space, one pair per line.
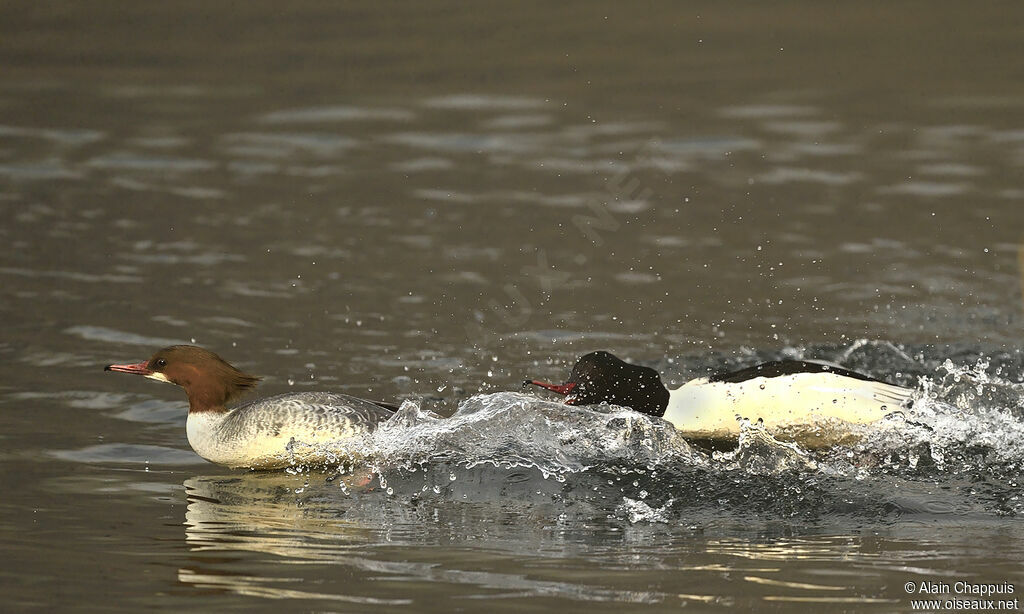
252,586
314,535
302,519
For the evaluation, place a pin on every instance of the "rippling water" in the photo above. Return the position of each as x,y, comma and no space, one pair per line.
432,203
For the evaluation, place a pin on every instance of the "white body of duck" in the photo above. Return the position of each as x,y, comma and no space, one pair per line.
304,428
815,409
812,403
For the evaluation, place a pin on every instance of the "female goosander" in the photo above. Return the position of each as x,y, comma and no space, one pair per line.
280,431
809,402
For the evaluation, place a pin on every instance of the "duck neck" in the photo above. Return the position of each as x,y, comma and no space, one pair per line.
203,399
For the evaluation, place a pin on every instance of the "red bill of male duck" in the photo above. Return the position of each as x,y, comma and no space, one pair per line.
812,403
305,428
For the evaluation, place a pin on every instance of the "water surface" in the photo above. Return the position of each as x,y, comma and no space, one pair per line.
435,202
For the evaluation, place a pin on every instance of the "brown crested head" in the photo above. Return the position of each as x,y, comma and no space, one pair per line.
209,381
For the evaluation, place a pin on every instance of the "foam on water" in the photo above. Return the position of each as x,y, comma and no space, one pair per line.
513,430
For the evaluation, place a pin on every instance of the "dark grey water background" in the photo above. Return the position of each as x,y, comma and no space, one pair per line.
434,200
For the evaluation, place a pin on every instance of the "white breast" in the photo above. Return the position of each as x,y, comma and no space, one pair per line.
813,408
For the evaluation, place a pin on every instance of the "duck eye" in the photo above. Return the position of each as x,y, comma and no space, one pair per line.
161,363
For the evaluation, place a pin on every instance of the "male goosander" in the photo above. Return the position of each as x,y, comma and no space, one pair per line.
809,402
280,431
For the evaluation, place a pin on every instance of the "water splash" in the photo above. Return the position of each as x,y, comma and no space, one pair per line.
513,430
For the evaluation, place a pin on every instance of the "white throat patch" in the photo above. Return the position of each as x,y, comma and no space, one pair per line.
160,377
